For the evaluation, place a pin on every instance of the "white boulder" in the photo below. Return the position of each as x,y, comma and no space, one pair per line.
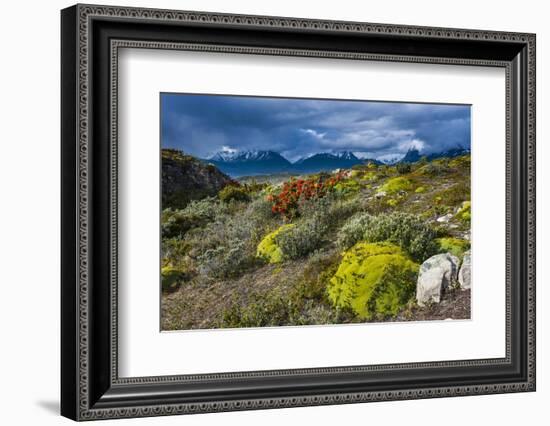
436,274
464,273
446,218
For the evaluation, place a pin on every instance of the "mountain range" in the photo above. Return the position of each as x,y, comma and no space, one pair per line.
251,163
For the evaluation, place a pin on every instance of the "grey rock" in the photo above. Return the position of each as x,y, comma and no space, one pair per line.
185,178
445,219
436,274
464,275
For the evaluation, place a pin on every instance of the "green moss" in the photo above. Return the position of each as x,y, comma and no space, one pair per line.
268,248
348,186
465,213
370,176
171,278
392,202
420,190
395,185
453,245
374,280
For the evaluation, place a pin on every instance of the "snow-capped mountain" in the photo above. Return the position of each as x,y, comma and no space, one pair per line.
326,161
249,163
389,159
236,156
412,156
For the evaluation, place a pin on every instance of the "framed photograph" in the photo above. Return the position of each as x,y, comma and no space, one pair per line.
263,212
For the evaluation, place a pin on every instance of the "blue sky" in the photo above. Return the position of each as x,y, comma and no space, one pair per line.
202,125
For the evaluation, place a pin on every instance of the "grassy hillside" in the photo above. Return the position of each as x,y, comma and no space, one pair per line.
327,248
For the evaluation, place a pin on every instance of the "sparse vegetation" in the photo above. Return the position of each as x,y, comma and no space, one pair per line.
396,185
322,248
269,248
233,193
454,246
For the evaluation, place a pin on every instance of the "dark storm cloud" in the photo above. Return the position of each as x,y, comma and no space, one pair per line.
202,125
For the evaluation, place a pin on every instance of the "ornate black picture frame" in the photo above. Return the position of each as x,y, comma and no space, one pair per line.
91,36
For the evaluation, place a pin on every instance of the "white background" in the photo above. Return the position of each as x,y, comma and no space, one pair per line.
197,351
29,225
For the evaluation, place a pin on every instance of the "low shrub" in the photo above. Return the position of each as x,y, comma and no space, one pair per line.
313,283
318,218
353,230
296,191
226,247
348,186
408,231
233,193
461,162
452,245
435,169
420,190
370,176
305,303
375,280
454,195
171,278
395,185
175,223
259,210
331,210
261,311
174,248
269,248
227,261
403,168
303,238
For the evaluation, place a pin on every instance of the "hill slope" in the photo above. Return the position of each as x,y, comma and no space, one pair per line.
184,178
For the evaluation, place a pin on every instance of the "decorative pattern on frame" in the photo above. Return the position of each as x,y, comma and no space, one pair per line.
85,14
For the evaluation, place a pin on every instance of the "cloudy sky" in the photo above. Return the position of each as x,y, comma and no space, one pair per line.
202,125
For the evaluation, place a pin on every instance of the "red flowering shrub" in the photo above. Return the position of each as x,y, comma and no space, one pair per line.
296,191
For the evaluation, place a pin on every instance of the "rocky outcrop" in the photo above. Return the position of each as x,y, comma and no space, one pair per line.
435,275
464,273
185,178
